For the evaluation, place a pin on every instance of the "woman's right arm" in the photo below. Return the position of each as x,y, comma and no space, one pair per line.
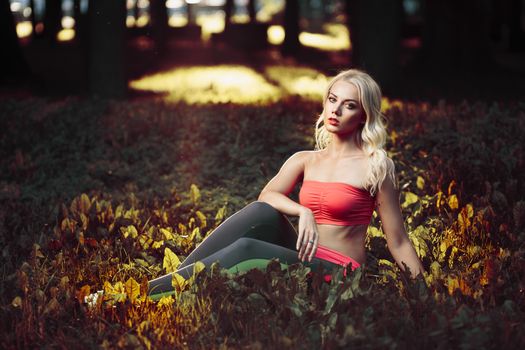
276,194
281,185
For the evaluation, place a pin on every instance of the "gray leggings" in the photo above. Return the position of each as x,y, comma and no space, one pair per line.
258,231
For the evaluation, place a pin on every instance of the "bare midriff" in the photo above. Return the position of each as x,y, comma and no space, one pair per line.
348,240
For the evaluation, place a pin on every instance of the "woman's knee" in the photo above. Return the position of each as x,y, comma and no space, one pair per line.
261,208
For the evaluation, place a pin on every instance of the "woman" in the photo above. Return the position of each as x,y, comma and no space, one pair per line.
343,181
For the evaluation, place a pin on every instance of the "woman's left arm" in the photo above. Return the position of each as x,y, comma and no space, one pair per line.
402,250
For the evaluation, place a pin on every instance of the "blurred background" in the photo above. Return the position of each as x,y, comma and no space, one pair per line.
414,48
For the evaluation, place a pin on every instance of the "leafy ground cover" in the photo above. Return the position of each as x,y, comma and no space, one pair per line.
101,194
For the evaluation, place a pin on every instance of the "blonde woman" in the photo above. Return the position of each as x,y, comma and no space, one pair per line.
344,180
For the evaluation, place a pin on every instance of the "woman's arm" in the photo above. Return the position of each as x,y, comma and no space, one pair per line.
396,237
276,194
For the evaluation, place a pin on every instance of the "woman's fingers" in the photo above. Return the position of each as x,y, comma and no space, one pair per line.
313,250
308,246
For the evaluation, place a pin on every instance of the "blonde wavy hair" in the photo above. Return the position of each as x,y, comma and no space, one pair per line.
372,136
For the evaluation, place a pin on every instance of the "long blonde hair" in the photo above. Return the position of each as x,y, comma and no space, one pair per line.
373,132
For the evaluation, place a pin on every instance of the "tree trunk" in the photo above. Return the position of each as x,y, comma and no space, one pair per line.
159,24
228,12
52,20
375,34
107,25
13,66
81,24
291,43
455,35
251,11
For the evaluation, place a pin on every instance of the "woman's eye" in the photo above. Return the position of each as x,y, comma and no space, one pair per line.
350,106
331,99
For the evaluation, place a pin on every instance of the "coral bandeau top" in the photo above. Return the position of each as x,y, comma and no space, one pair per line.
337,203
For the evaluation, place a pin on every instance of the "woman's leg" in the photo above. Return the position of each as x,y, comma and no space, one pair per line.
256,220
243,254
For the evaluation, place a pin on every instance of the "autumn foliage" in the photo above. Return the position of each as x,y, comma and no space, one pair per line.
105,195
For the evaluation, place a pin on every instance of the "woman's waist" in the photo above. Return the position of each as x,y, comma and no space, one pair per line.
351,244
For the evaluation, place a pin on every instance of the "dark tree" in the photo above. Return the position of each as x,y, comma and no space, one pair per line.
291,43
33,19
228,12
251,11
107,25
159,24
375,34
81,24
456,35
517,33
52,20
13,66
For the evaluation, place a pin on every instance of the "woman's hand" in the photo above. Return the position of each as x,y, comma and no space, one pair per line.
308,238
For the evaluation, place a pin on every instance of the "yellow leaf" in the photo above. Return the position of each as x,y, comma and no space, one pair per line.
420,183
119,210
132,289
221,213
386,262
470,210
157,244
85,221
393,136
145,241
171,261
439,201
198,267
116,292
374,231
85,203
132,231
443,247
452,284
182,229
65,224
178,282
202,218
167,234
64,282
453,202
195,233
410,198
166,301
195,194
451,187
17,302
435,269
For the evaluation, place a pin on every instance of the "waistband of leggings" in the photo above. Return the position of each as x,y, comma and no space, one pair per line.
335,257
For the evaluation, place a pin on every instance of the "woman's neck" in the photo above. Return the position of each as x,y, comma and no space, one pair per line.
343,146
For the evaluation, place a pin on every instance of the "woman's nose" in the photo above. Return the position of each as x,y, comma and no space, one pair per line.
336,110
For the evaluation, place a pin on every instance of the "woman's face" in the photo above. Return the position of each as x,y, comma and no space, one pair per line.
343,113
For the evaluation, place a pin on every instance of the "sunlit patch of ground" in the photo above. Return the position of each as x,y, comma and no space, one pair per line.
240,84
305,82
218,84
337,38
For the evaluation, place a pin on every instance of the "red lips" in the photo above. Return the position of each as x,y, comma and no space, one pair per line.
333,121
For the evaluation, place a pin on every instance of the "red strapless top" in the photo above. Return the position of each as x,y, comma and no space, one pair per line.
337,203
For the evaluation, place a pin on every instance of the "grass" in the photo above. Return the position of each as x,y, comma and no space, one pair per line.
93,194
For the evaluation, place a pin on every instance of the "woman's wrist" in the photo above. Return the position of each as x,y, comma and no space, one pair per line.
304,210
